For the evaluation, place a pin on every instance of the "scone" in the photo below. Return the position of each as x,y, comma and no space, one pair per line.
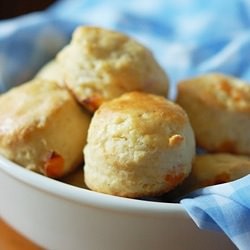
138,145
100,65
219,110
52,72
42,128
211,169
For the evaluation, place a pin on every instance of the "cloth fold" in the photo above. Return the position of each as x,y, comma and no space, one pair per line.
224,207
187,37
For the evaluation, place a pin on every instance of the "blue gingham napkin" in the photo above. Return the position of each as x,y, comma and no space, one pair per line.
225,208
188,37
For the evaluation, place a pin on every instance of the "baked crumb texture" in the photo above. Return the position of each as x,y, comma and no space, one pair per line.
219,110
138,145
99,65
42,128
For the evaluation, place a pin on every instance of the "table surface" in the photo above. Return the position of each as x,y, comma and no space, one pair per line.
11,240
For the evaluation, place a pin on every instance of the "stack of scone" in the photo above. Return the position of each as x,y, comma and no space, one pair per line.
105,94
138,144
219,110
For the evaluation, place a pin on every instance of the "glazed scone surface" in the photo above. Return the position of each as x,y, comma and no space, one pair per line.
138,145
42,128
100,65
219,110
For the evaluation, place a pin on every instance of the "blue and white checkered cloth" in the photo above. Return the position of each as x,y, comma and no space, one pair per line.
188,37
225,208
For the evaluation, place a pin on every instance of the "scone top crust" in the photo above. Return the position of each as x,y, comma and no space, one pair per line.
137,119
98,42
220,91
139,104
100,65
20,112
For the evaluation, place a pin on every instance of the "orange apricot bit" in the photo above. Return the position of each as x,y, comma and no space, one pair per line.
219,179
225,86
54,165
175,140
174,179
227,146
92,103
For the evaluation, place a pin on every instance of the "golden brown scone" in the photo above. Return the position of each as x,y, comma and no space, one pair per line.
212,169
100,65
52,72
42,128
138,145
219,110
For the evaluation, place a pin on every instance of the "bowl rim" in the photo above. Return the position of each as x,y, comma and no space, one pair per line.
87,197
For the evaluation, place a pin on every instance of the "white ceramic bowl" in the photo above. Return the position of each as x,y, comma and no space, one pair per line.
60,216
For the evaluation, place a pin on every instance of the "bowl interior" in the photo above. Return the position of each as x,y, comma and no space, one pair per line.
37,40
84,196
